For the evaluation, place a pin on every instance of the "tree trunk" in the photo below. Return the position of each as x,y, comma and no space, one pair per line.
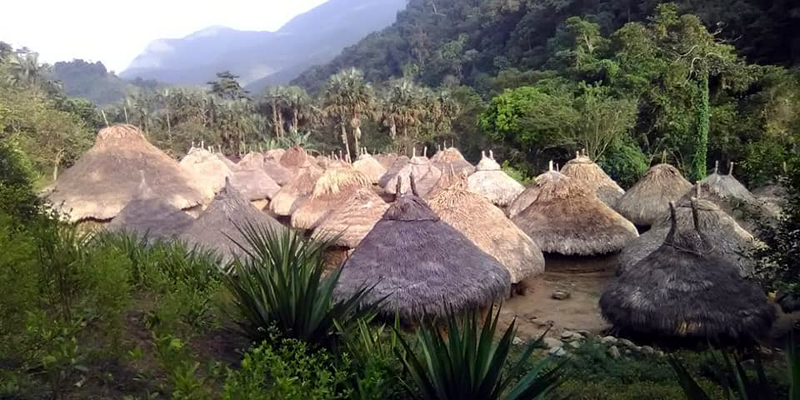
344,139
392,128
275,125
56,163
280,124
357,137
169,127
701,141
295,121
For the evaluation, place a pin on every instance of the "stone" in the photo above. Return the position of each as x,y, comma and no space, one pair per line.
577,336
627,343
660,353
561,295
574,344
557,352
517,341
637,349
648,350
628,352
584,333
609,340
567,336
614,353
552,342
766,351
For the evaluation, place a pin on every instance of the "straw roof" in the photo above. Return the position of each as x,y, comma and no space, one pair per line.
370,167
217,228
251,160
488,228
425,175
585,171
421,265
151,216
566,218
254,184
729,240
106,178
452,158
280,174
726,186
286,201
274,154
231,165
296,158
207,168
353,220
387,160
648,200
330,191
681,291
490,181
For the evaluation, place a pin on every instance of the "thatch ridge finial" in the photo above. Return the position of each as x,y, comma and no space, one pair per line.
673,224
413,185
664,156
716,166
425,151
397,188
730,171
695,215
491,154
550,167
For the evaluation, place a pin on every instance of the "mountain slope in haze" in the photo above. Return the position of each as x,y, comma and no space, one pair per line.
91,81
261,58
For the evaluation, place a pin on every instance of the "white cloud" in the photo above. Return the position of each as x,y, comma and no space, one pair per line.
115,31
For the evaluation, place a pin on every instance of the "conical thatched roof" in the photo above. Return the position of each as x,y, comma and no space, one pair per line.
286,201
354,219
231,165
207,168
386,160
773,197
274,154
280,174
370,167
452,158
107,177
729,240
217,227
490,181
488,228
251,160
296,158
566,218
254,184
727,186
421,265
151,216
682,291
330,191
425,175
648,200
585,171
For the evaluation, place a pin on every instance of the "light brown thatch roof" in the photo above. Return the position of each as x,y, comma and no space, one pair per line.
254,184
354,219
330,191
207,168
684,291
274,154
251,160
286,201
425,175
648,200
585,171
148,215
370,167
386,160
566,218
106,178
486,226
421,265
280,174
231,165
217,228
296,158
452,158
490,181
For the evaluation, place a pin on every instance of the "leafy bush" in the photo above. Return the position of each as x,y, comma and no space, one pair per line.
374,351
17,197
624,162
517,174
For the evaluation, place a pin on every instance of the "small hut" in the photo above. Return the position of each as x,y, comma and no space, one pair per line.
274,154
280,174
422,266
566,218
230,164
451,158
289,197
488,228
330,191
727,186
386,160
255,185
588,173
370,167
107,177
150,216
730,195
729,240
295,159
490,181
425,175
683,291
773,196
207,168
252,160
648,200
353,220
218,226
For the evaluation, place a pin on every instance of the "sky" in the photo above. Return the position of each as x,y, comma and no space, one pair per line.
115,31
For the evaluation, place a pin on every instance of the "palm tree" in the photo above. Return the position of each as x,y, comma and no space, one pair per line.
347,99
299,105
404,109
276,100
26,70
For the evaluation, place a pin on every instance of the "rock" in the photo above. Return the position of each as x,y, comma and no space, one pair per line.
660,353
567,336
637,349
557,352
560,295
517,341
574,344
766,351
628,352
613,352
552,342
627,343
648,350
584,333
609,340
577,336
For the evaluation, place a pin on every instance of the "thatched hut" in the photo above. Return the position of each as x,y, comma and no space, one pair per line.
730,195
490,181
773,196
451,158
729,240
274,154
648,200
585,171
252,160
425,175
106,178
296,158
151,216
386,160
370,167
486,226
218,226
684,291
330,191
280,174
727,186
230,164
350,222
255,185
566,218
207,168
421,265
289,197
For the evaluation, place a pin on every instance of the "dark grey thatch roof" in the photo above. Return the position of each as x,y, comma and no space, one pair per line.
648,200
217,226
149,215
682,291
422,264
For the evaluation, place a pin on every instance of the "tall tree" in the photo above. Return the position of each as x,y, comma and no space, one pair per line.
347,99
403,110
227,86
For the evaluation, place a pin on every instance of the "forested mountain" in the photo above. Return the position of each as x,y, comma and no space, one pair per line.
264,57
464,41
91,81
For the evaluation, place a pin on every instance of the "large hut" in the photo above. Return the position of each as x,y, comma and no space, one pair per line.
490,181
107,177
648,200
421,266
350,222
487,227
289,197
588,173
296,158
684,291
425,174
451,158
222,157
330,191
729,240
207,168
370,167
280,174
150,216
255,185
387,160
566,218
218,227
730,195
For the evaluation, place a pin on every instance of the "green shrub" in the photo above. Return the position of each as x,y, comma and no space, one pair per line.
375,352
17,196
624,162
517,174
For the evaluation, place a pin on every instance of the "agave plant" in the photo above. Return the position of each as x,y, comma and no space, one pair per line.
467,363
279,284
